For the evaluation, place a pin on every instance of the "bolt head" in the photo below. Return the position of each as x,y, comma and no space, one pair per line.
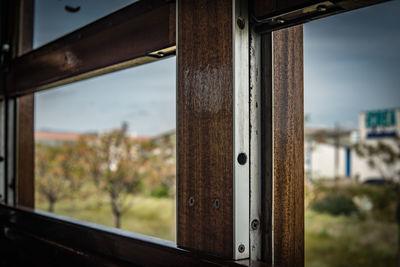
241,248
242,158
280,21
217,203
191,201
240,22
321,8
254,224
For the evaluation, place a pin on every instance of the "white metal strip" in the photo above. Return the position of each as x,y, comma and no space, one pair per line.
241,203
255,147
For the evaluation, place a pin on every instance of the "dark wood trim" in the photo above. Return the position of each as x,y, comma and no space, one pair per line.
25,27
60,240
10,37
266,14
283,147
288,154
124,38
205,126
266,147
8,15
25,151
25,156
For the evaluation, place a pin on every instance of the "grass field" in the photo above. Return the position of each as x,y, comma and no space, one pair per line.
330,240
348,241
147,215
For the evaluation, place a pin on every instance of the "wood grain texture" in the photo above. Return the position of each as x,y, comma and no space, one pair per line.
288,147
25,115
25,151
43,239
205,126
25,26
130,33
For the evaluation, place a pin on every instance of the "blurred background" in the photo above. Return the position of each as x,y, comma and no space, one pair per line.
111,158
352,130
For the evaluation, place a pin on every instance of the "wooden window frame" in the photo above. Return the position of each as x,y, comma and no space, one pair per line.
275,78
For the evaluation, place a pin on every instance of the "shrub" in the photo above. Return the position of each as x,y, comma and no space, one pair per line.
160,192
335,205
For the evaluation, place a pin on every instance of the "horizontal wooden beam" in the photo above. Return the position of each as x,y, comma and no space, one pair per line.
138,34
63,241
278,14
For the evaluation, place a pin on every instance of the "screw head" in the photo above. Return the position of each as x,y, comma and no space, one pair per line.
254,224
217,203
191,201
242,158
321,8
280,21
241,248
5,48
240,22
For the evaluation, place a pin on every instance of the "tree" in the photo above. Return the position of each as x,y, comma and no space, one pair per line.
385,158
58,171
160,163
50,175
113,160
70,168
89,150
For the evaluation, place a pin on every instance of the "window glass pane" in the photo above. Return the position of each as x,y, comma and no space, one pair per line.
352,159
55,18
106,149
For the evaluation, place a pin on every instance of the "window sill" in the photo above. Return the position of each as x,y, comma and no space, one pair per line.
59,238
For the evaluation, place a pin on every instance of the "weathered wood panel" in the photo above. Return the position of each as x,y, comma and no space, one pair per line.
25,151
288,154
205,126
25,115
43,239
283,147
110,43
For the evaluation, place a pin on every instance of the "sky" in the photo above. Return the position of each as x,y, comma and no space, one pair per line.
350,65
142,96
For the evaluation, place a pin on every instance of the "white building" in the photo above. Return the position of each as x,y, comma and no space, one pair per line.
330,153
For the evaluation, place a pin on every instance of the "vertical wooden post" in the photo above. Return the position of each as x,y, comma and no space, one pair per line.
25,115
283,147
213,88
25,152
205,126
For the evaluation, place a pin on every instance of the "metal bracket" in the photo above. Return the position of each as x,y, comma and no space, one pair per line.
298,15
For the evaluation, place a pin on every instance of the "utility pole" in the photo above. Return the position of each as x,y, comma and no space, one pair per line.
337,146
